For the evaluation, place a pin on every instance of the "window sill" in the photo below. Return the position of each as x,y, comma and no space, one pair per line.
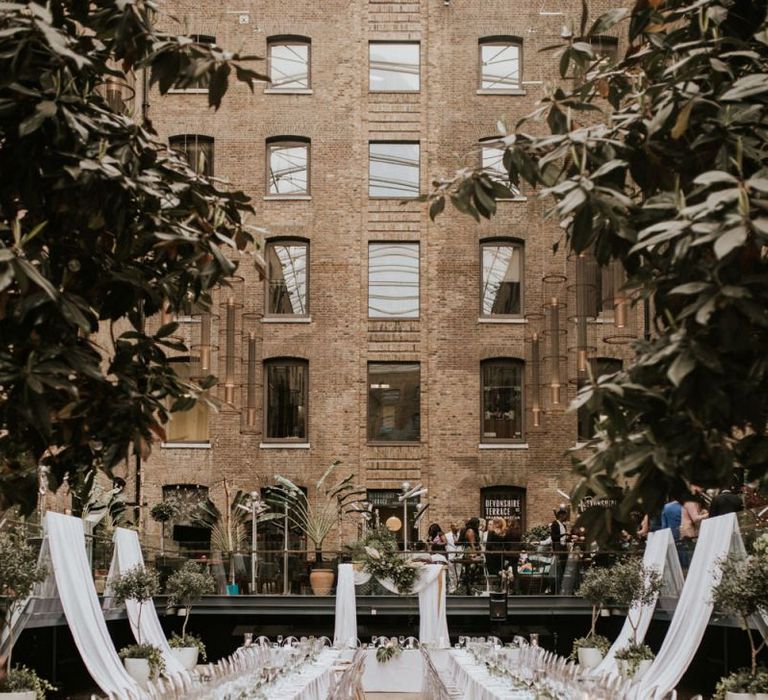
188,91
513,321
284,445
507,93
185,445
286,319
287,197
512,199
298,91
503,446
393,443
394,92
379,198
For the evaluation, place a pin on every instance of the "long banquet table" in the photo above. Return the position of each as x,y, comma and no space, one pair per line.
476,683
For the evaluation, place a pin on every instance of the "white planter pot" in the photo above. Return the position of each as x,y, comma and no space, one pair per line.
187,656
19,695
589,657
138,669
640,671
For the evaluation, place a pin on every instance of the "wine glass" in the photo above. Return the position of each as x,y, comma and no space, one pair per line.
279,640
374,639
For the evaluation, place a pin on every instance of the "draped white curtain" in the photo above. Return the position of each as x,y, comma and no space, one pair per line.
72,572
661,556
127,555
718,537
430,586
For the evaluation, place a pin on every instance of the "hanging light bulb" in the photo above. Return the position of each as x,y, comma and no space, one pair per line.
554,342
534,340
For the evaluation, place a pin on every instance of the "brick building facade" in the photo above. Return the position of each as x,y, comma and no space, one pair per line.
338,117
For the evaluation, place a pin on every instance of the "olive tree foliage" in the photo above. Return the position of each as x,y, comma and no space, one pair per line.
100,225
659,161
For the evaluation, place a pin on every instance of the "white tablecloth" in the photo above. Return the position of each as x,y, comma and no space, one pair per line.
476,683
309,682
400,675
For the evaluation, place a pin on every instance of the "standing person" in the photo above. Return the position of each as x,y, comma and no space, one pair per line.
558,533
727,501
453,550
514,547
690,520
498,537
469,538
436,538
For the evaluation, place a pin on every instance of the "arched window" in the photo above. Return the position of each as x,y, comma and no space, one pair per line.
289,62
502,400
286,398
197,149
287,277
288,166
500,63
501,291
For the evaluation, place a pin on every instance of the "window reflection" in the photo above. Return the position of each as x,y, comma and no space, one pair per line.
286,415
393,401
393,280
393,67
287,278
393,170
492,162
190,425
288,168
289,65
502,272
499,66
197,149
502,398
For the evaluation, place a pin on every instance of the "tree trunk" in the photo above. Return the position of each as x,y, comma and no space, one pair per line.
184,626
318,556
138,625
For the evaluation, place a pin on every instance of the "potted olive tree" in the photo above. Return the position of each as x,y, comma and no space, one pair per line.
184,588
163,512
743,592
142,661
19,572
596,589
633,584
317,518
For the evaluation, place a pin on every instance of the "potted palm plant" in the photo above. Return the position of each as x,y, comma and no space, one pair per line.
743,592
19,572
142,661
596,589
317,518
184,588
633,584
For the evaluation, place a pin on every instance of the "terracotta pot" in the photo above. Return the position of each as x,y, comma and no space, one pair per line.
187,656
19,695
589,657
321,581
138,669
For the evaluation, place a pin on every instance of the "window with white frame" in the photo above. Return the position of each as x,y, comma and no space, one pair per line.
501,291
393,280
287,277
500,64
393,67
289,63
393,170
288,166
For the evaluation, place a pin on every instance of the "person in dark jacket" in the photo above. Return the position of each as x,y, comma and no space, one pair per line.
726,502
558,533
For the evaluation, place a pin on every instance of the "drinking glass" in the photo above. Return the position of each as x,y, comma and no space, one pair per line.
279,640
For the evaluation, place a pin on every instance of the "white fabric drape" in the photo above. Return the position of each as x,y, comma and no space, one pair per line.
431,587
127,555
72,573
661,556
716,539
345,623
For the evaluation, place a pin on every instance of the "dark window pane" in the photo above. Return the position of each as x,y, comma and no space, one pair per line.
502,400
393,280
500,66
198,150
289,66
393,402
286,400
288,168
585,417
393,170
287,278
502,268
394,67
